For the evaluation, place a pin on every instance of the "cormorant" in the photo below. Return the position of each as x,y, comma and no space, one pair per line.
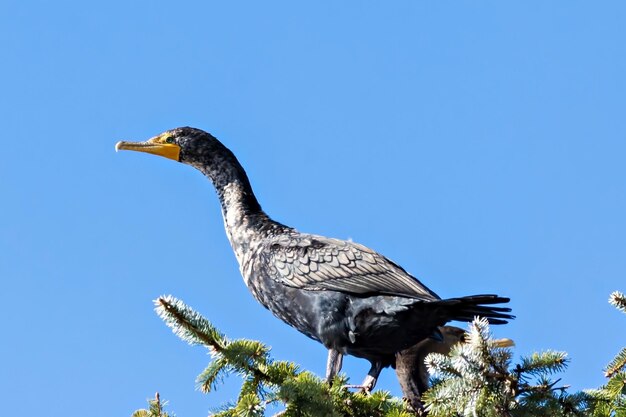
340,293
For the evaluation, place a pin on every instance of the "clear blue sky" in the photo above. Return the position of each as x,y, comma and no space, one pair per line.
481,145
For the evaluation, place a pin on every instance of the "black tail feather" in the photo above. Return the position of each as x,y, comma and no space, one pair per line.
466,308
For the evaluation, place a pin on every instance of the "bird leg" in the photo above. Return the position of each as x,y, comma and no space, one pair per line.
333,365
370,380
372,377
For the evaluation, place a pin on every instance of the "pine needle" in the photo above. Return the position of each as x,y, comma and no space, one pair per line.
617,364
618,299
188,324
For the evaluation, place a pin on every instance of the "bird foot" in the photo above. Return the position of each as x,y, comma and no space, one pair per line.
366,387
360,388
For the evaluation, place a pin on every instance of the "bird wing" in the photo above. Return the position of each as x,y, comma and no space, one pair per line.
319,263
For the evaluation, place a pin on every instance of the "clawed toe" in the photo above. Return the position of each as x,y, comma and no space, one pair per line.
366,387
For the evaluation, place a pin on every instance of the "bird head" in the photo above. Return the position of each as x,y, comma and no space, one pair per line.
183,144
202,151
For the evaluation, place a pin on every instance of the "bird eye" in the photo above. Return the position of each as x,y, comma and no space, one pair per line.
169,139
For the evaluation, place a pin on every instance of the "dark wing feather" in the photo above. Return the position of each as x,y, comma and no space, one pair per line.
319,263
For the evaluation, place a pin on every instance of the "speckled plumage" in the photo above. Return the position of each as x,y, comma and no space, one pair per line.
342,294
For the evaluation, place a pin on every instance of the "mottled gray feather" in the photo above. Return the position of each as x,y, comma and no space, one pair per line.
319,263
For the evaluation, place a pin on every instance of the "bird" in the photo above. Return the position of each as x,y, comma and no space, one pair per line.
340,293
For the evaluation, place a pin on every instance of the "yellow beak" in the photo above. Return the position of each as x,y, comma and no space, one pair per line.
167,150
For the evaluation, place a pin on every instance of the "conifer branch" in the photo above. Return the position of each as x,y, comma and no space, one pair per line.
155,408
617,364
475,379
610,399
212,375
188,324
548,362
618,299
193,328
266,381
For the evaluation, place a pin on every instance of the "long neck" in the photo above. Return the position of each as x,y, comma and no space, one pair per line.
244,220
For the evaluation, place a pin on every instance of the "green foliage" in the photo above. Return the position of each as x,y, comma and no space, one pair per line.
610,399
617,364
212,375
188,324
155,408
542,363
473,379
266,381
618,299
477,378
